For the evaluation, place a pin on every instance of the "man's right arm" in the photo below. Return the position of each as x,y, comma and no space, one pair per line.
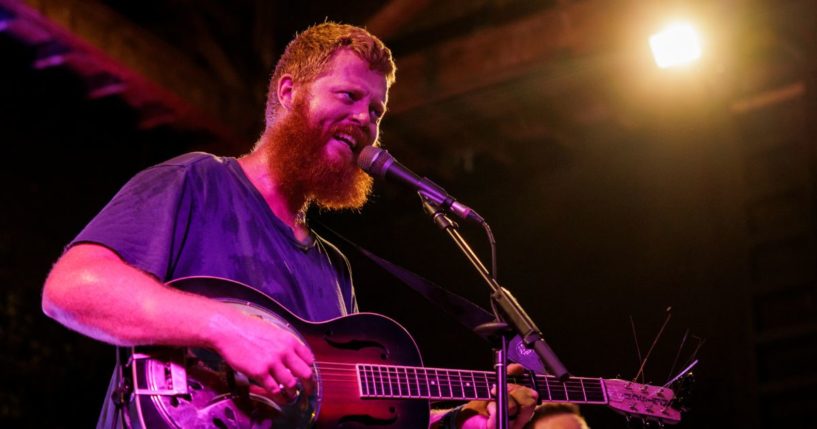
92,291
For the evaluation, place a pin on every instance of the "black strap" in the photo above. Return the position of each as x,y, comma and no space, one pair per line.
121,395
464,311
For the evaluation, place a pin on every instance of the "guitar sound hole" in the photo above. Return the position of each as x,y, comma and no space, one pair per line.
219,424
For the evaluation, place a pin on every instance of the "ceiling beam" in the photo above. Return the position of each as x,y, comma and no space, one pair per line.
498,54
393,17
148,72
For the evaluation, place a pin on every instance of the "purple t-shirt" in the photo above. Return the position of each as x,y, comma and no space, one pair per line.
199,215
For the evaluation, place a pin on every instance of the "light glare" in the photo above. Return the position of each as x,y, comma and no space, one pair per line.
678,44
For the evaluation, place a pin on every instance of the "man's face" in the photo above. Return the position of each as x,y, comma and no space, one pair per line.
313,148
346,103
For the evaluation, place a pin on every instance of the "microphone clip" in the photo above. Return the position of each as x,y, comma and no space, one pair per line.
437,213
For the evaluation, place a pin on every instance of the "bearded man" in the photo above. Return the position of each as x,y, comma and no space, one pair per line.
241,219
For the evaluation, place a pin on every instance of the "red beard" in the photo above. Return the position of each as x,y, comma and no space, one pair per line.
297,160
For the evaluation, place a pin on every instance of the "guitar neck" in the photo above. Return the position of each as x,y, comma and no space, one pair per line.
401,382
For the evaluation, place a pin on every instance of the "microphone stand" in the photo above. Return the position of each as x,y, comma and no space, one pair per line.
510,319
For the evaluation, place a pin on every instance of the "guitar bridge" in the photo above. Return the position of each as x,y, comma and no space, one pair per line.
171,382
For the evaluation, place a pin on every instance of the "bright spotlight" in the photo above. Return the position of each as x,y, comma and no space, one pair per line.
676,45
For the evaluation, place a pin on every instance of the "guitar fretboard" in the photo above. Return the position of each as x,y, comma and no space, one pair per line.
401,382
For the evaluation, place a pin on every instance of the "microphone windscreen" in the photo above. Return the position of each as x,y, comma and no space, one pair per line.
374,161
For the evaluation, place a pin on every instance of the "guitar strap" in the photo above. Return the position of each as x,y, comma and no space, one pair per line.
464,311
121,395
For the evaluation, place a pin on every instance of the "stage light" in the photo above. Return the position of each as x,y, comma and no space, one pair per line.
677,44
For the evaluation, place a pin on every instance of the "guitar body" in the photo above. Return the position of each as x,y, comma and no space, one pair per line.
185,388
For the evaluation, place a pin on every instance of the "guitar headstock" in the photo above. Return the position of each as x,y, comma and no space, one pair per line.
642,400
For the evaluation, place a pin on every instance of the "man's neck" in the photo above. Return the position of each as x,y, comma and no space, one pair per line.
288,208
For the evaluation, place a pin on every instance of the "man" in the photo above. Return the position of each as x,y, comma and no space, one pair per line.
242,219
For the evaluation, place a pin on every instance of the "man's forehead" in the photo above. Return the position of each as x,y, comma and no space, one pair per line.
346,65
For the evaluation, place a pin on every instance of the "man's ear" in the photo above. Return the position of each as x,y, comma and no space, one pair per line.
286,91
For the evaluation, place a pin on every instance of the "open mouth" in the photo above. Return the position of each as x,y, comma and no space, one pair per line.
346,138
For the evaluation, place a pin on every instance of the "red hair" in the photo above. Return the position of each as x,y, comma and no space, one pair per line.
306,56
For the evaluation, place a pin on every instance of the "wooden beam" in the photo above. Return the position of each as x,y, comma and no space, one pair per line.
151,73
498,54
391,18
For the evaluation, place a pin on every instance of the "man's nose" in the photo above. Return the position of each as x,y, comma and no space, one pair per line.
361,115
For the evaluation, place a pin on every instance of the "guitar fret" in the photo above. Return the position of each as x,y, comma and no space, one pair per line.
411,393
389,372
361,376
372,381
450,387
396,372
424,387
404,389
435,382
456,384
474,385
584,394
369,372
556,390
573,391
596,392
547,387
382,385
404,381
487,391
393,385
369,379
373,376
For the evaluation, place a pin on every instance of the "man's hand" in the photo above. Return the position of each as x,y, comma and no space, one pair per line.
269,355
482,414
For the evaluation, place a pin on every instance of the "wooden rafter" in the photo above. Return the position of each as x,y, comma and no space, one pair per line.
495,55
118,58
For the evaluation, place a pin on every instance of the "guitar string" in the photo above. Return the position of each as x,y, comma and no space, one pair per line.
451,391
398,383
353,373
456,378
449,372
453,380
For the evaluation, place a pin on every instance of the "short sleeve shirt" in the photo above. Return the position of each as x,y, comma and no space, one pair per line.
199,215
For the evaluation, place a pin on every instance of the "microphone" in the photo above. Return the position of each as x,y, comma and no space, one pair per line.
380,164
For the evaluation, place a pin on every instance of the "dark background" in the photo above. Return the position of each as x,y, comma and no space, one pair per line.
614,191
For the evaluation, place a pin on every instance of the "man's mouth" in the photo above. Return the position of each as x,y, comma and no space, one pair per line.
346,138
